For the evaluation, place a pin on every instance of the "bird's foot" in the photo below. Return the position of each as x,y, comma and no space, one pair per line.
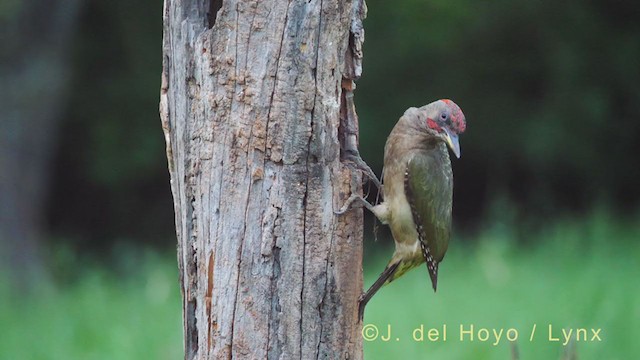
353,198
354,158
356,162
361,306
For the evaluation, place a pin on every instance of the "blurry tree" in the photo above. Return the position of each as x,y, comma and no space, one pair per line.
254,105
34,68
109,165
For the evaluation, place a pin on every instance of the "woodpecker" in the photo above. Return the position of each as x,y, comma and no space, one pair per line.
417,184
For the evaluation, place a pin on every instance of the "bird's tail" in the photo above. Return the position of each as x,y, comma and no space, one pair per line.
395,269
383,279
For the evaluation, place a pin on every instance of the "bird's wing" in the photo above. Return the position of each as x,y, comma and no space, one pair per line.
429,190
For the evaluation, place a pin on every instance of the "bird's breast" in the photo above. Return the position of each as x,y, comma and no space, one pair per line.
401,223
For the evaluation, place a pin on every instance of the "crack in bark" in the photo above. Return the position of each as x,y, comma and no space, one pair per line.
315,73
324,294
215,242
326,279
210,274
304,246
240,248
212,14
275,299
191,332
246,209
308,173
253,19
275,250
239,256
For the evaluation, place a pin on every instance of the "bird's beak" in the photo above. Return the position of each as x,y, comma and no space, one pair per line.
452,141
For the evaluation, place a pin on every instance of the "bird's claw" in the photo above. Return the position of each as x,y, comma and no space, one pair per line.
360,307
342,210
353,198
347,204
356,161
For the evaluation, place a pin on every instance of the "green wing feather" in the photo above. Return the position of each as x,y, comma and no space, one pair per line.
429,190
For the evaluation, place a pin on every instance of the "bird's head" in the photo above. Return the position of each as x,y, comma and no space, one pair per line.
446,121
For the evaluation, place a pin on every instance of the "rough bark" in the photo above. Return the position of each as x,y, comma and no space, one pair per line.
254,114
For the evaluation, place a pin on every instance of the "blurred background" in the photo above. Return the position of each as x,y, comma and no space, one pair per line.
547,192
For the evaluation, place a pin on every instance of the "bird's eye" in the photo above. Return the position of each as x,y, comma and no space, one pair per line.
444,116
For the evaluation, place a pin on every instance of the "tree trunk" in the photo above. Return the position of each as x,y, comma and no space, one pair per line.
255,104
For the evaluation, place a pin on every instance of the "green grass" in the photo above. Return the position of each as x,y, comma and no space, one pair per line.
100,316
573,274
